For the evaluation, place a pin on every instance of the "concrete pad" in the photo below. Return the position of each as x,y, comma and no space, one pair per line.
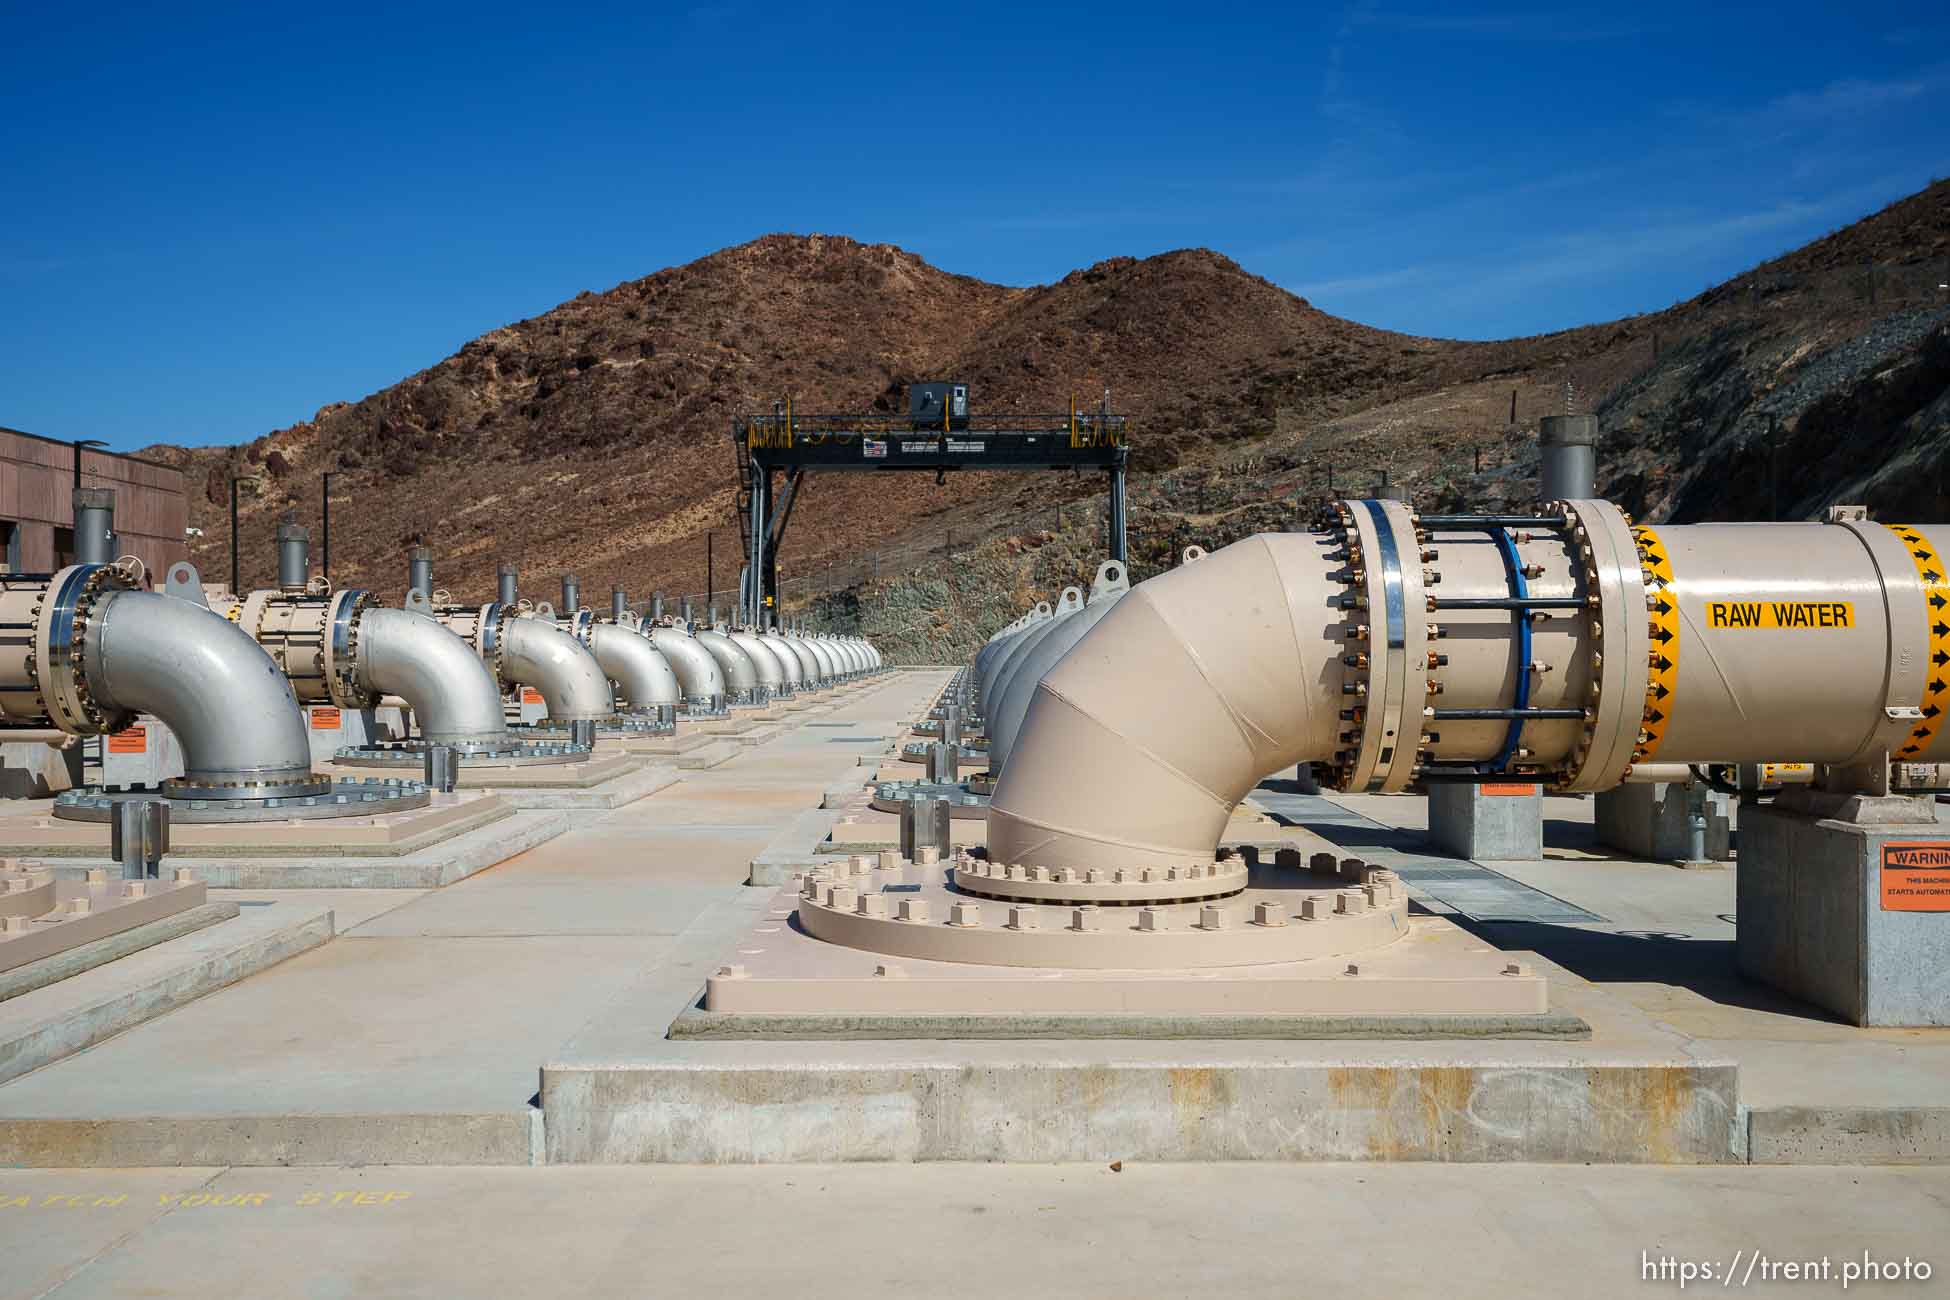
36,832
54,1022
426,868
401,1050
85,957
713,754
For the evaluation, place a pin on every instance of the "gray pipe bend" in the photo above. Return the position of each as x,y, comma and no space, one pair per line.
740,674
829,664
451,690
644,677
850,651
789,665
1004,722
697,671
537,653
224,697
765,661
809,668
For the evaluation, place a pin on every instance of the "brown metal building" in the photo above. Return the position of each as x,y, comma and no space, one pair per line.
37,508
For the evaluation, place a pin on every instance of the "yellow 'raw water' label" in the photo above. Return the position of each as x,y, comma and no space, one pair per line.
1808,614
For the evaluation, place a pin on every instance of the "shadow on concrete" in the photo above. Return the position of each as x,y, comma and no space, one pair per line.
1703,966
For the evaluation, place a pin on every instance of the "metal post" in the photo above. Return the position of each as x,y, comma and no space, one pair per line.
294,555
507,586
1570,459
236,564
571,595
944,767
325,524
619,604
94,526
1117,512
925,825
761,487
582,731
656,607
710,568
139,836
419,570
440,769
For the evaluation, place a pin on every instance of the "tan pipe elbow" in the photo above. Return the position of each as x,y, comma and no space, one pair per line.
1139,743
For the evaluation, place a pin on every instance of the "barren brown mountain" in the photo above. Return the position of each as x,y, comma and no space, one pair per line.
598,433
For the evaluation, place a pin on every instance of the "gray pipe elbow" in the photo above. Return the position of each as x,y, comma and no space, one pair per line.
230,706
740,676
636,666
809,671
765,661
453,693
789,665
829,666
697,672
540,654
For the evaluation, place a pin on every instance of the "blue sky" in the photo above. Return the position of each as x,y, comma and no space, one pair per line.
215,219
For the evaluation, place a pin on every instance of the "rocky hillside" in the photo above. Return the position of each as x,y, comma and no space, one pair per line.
600,430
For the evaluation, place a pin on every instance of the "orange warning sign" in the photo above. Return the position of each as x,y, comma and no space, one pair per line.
134,740
1916,876
1510,787
324,718
529,695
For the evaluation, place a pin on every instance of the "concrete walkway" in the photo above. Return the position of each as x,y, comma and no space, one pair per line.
855,1232
417,1035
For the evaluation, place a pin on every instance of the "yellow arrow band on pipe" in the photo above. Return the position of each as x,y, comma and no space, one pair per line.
1662,669
1936,620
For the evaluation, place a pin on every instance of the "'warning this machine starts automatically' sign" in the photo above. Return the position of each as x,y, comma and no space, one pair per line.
1916,876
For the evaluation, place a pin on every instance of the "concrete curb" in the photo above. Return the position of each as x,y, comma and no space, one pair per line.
699,1025
71,1029
1039,1108
1848,1135
152,1141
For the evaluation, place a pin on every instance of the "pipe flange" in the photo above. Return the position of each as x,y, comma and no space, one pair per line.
621,725
917,752
367,797
1625,621
914,911
72,603
1382,748
1125,887
411,754
305,787
343,676
963,802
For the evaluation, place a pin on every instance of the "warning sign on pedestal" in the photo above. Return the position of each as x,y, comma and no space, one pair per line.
529,695
133,740
1916,876
324,718
1510,787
